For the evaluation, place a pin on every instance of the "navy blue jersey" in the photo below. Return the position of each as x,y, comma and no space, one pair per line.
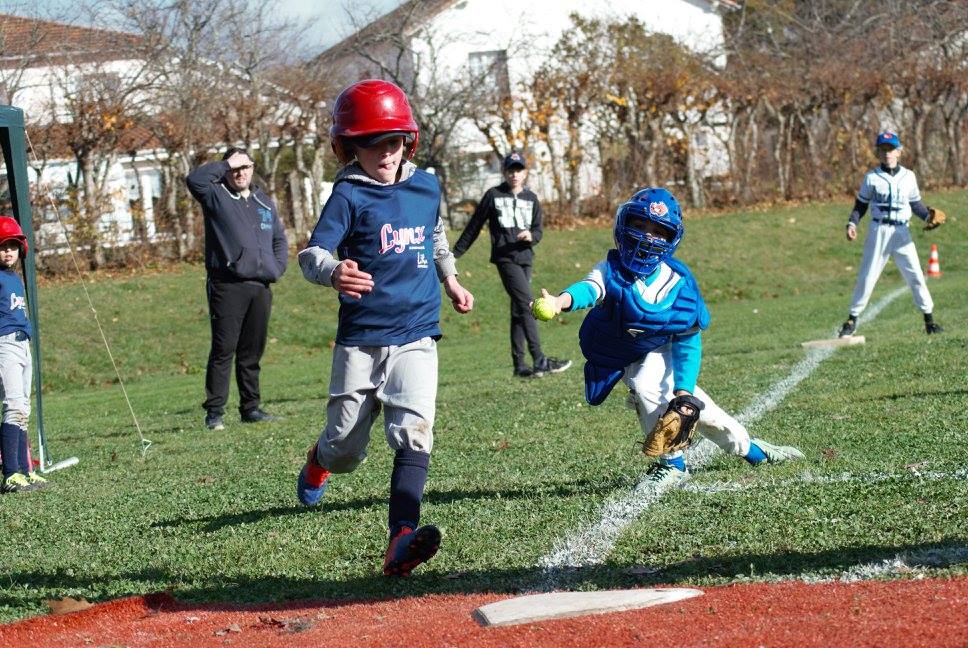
13,305
388,230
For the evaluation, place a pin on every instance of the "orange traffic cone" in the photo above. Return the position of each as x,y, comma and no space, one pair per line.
934,266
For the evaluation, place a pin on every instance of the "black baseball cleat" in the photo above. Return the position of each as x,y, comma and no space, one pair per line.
213,421
933,328
524,372
551,365
258,416
849,327
409,548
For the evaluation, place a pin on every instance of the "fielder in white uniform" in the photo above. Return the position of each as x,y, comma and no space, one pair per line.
891,191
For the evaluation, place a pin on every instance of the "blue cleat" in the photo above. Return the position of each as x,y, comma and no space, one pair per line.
312,481
409,548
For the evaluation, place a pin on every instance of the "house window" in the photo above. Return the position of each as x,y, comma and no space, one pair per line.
489,71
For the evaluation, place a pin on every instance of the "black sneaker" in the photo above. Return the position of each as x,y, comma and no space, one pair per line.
258,416
932,328
551,365
849,327
524,372
214,421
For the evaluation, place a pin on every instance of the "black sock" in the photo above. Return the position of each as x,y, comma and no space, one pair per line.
10,447
406,488
25,466
928,318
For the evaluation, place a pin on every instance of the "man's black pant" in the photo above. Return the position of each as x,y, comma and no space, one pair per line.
517,282
239,312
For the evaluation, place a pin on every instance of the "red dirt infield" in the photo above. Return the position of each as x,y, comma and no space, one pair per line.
923,612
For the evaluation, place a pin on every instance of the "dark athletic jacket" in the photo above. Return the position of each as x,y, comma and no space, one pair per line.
244,238
506,215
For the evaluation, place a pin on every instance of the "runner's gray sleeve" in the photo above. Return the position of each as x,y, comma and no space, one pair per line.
317,265
443,257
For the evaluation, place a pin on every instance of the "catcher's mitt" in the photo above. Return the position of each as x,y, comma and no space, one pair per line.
674,430
935,217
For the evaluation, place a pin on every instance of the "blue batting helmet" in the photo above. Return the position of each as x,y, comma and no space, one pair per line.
648,228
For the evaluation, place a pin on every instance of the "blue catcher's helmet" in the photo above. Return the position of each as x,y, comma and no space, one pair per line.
648,228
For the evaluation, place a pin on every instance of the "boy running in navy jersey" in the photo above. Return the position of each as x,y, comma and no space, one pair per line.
16,369
382,221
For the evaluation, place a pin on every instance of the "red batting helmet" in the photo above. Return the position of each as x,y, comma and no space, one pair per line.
369,107
10,230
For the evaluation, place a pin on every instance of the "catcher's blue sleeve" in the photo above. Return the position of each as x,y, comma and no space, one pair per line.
583,293
686,360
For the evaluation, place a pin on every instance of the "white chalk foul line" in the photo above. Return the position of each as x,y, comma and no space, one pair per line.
593,544
808,478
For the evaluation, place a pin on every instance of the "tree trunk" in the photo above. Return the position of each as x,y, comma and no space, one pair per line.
296,202
191,210
693,180
92,212
171,209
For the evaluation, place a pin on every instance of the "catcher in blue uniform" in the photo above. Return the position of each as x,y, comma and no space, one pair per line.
644,327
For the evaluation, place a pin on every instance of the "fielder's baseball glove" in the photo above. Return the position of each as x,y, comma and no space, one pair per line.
675,429
935,217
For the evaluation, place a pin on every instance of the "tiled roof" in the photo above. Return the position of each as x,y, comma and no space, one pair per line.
414,12
28,37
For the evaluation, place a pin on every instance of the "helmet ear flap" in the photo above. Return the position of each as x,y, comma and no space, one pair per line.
413,145
339,148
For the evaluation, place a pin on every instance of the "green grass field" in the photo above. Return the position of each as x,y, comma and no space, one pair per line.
517,464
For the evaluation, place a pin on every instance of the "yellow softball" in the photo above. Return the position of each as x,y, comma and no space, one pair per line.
544,309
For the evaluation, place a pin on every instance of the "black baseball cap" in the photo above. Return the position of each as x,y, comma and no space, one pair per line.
514,159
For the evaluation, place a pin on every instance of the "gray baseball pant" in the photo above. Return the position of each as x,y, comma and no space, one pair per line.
402,380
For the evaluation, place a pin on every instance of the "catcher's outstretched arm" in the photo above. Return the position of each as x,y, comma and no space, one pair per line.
686,361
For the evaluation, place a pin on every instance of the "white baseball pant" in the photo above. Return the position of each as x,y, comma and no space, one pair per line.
650,381
884,241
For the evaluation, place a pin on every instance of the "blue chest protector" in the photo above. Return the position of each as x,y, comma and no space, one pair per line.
624,326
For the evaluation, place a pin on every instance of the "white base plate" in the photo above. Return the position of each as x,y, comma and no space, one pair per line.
849,340
562,605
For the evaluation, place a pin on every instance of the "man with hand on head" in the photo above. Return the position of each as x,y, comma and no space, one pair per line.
245,251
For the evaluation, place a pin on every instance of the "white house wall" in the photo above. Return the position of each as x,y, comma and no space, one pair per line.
126,181
483,25
529,32
40,88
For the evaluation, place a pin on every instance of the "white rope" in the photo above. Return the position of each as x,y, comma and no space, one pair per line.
145,443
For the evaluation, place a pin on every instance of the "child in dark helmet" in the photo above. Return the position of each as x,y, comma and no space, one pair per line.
382,223
644,327
15,364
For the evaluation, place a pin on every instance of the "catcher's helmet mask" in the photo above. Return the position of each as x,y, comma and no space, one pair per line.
368,112
648,229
